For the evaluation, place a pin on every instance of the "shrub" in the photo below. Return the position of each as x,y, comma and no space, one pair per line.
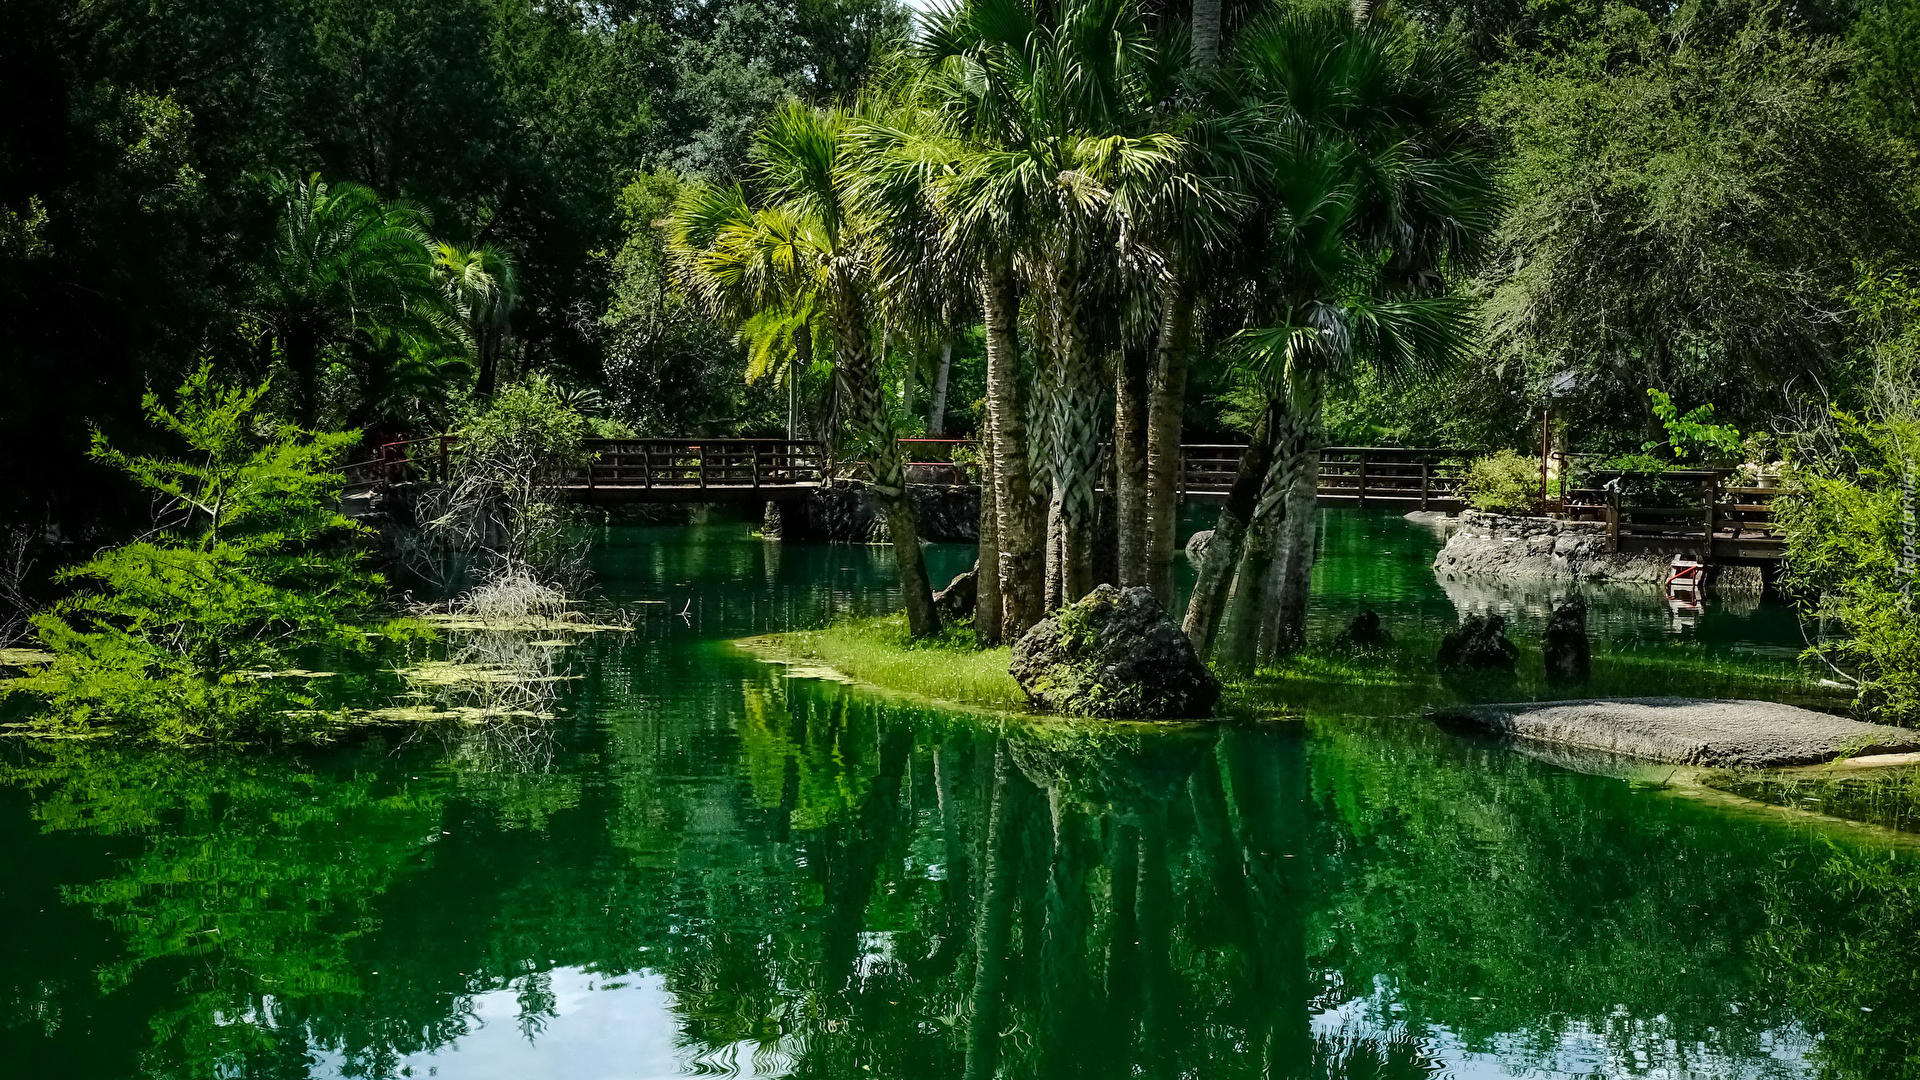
1503,483
181,633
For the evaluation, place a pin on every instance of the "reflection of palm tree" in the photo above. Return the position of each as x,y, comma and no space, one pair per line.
993,932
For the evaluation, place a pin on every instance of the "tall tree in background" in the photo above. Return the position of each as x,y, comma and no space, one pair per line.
481,289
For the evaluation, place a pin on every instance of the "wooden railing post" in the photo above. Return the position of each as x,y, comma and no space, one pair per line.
1426,482
1713,503
1363,480
1613,519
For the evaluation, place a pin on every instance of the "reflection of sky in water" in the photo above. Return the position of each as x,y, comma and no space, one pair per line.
598,1028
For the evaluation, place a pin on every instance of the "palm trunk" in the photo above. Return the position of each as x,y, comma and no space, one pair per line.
1284,514
937,413
1165,418
1206,33
1229,531
1016,512
1130,464
488,343
1286,618
860,384
1076,436
988,612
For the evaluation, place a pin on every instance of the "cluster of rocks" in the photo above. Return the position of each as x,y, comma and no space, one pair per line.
1479,645
1500,545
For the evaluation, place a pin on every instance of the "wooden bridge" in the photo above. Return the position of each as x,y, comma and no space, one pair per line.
1720,521
762,470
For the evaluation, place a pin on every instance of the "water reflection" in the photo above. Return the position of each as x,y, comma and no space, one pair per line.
711,869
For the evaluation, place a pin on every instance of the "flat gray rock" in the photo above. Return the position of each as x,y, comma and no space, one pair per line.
1687,731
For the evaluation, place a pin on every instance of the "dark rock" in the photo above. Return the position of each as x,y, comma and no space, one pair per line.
956,601
1478,644
1114,654
772,523
1365,633
1569,656
1197,545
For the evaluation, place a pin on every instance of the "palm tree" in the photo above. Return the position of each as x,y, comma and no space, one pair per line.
808,238
1051,102
344,263
481,288
1377,184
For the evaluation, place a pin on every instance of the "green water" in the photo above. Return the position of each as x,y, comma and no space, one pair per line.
709,869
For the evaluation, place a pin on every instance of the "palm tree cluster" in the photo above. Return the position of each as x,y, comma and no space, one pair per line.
1112,190
357,302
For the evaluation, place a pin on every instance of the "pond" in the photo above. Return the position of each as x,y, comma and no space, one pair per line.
711,869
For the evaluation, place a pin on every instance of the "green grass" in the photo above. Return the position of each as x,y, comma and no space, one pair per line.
948,666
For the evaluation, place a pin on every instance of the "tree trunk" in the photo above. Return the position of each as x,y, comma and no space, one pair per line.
1286,618
1206,33
488,345
1279,565
988,611
1130,464
937,413
1165,417
1229,530
1016,512
1076,434
859,381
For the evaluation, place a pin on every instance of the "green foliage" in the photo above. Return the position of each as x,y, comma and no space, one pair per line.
1502,482
948,666
179,636
1849,512
1848,517
1688,195
1693,436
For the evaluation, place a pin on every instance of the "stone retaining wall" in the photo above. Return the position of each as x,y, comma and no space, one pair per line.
1496,545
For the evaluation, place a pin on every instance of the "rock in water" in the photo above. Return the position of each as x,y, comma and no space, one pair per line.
1569,657
957,600
1365,633
1479,644
1114,654
1197,545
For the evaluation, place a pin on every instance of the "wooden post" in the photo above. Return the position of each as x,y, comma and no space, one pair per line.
753,453
1426,482
1363,480
1713,503
646,463
1613,519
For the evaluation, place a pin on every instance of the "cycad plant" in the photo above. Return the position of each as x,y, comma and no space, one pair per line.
807,238
344,263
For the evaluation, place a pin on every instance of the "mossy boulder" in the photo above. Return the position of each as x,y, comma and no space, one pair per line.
1114,654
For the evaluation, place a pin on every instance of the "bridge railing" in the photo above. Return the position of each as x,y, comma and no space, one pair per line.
706,463
1361,474
426,461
